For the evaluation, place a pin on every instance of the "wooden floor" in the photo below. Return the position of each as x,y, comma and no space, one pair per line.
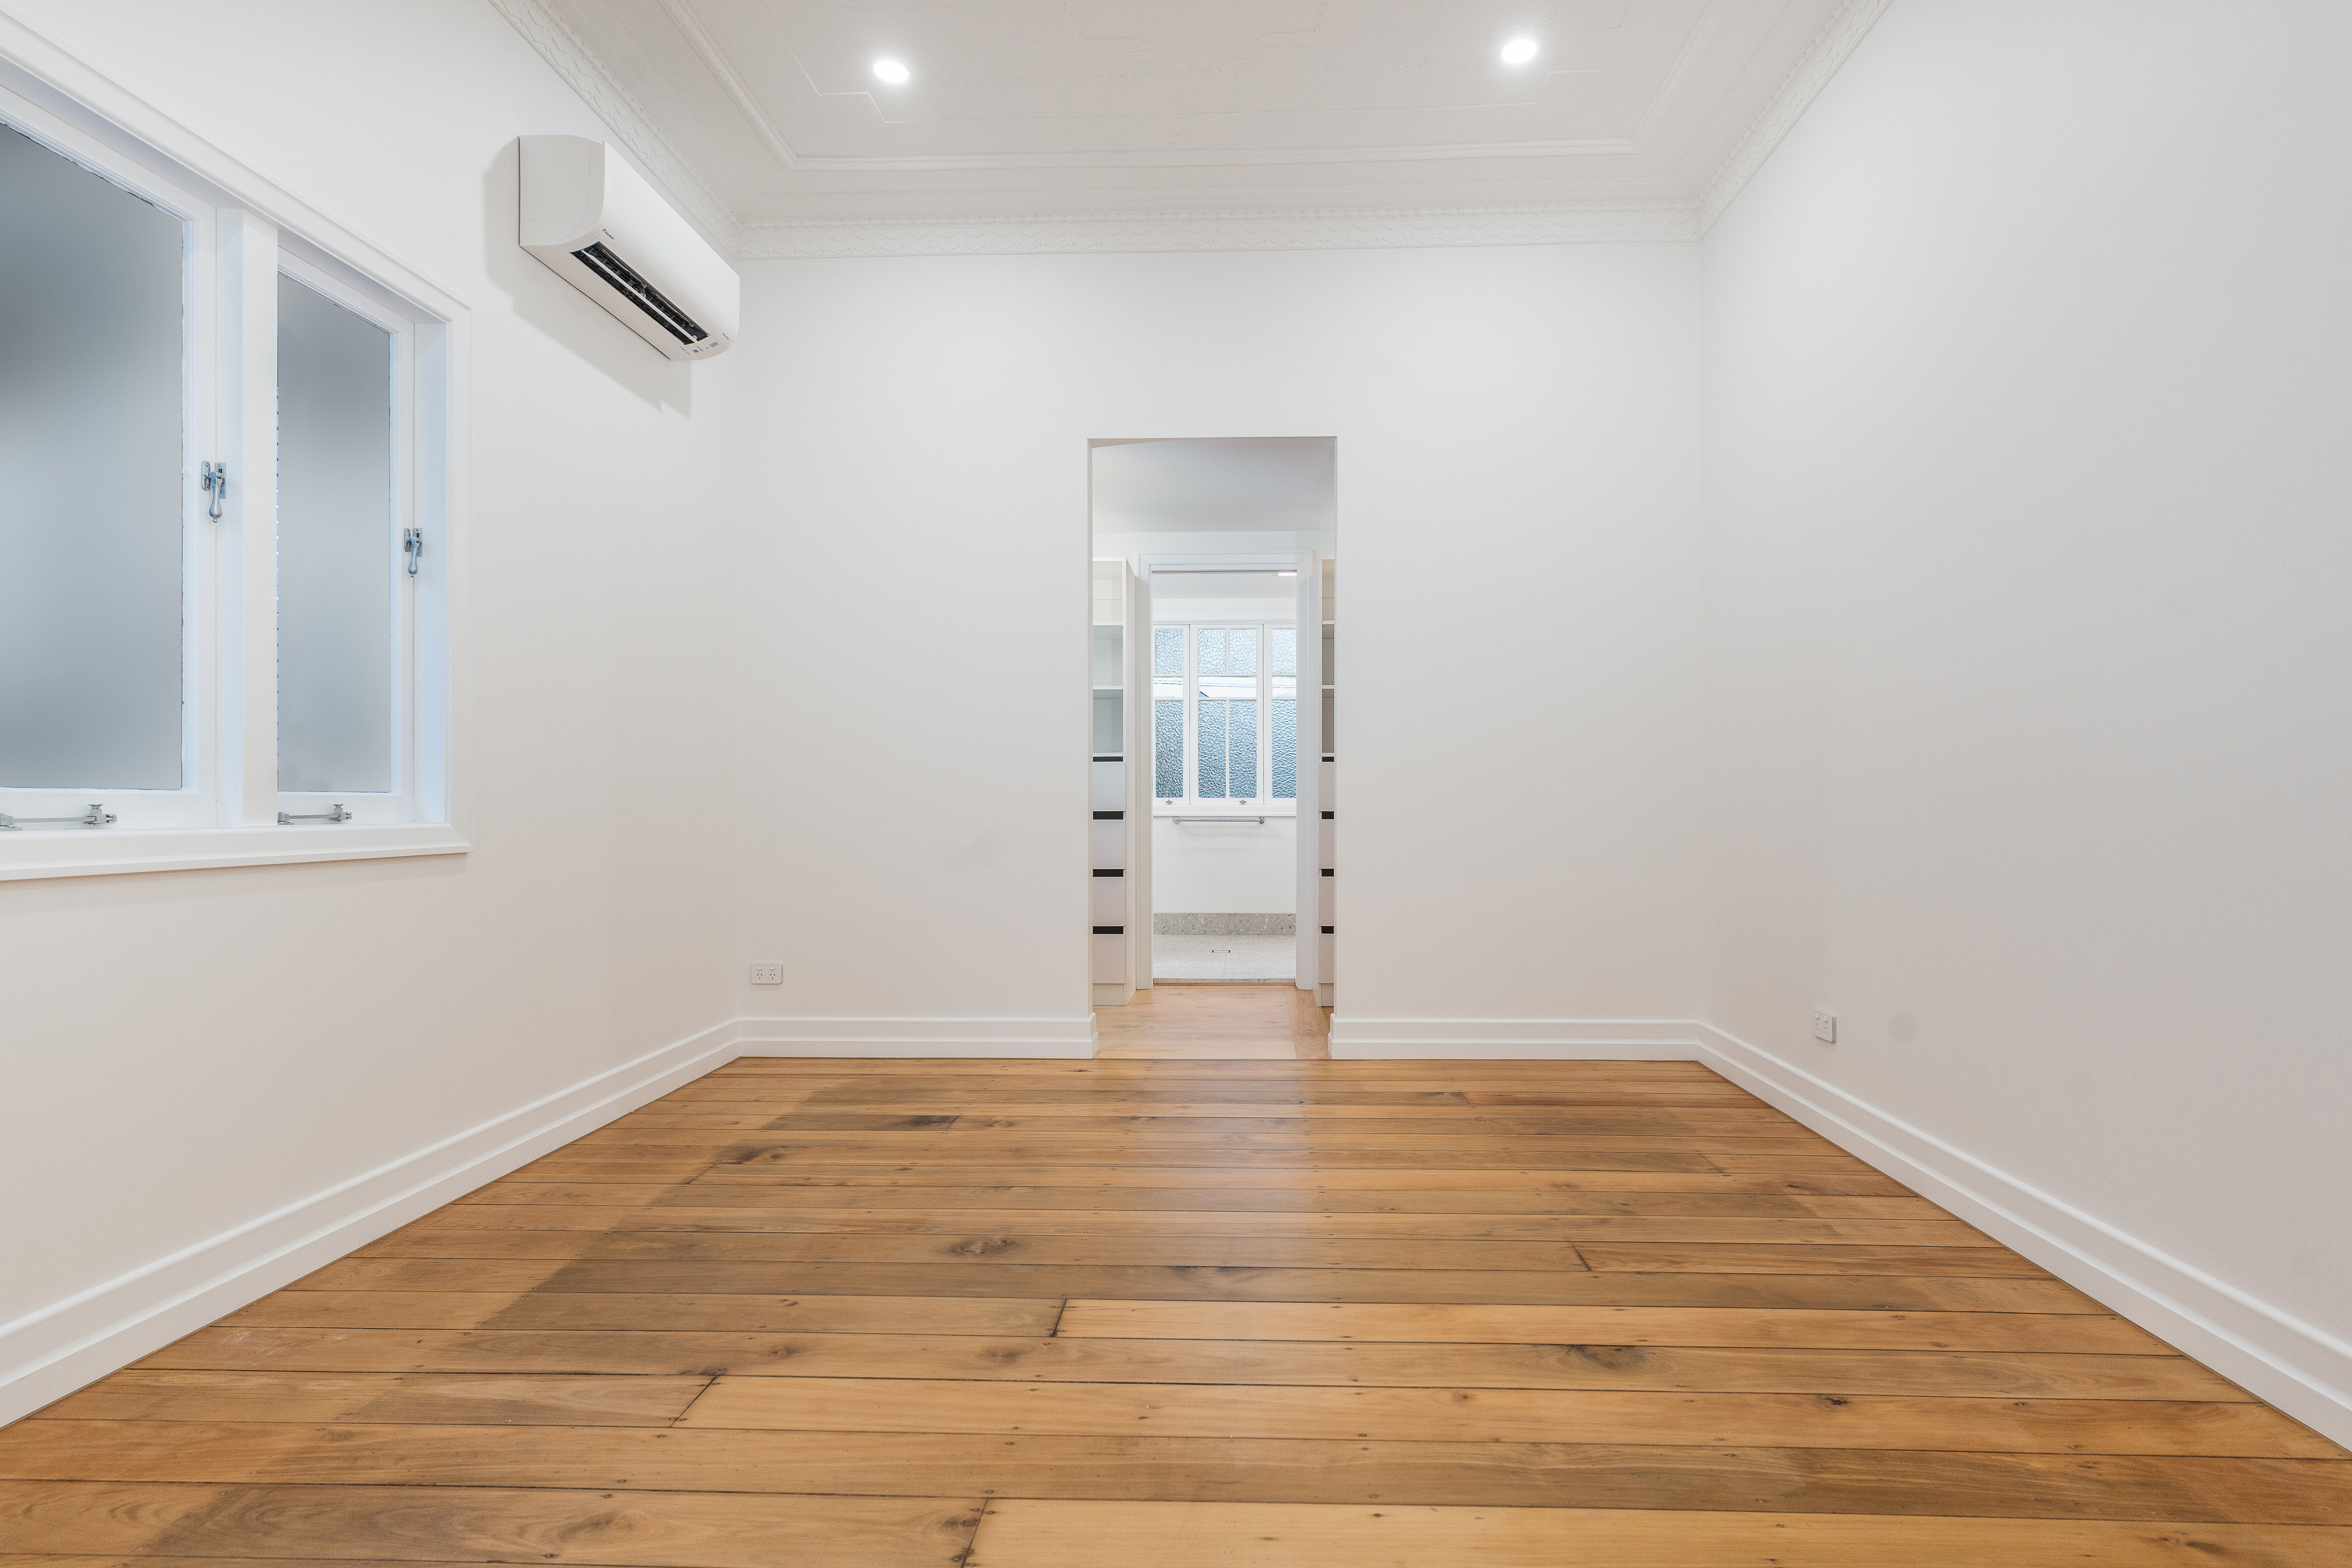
1242,1311
1229,1023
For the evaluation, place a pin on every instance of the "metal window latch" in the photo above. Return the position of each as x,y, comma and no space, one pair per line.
334,813
96,816
215,484
411,544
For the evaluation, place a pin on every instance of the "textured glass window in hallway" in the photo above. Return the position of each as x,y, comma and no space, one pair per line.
1283,711
1168,712
1227,722
1224,714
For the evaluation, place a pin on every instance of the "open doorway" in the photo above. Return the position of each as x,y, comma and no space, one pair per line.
1214,572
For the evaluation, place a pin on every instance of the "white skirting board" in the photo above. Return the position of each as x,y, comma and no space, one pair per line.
47,1355
2303,1371
916,1036
1558,1039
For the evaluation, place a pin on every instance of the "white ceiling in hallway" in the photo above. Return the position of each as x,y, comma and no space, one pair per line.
1215,484
770,112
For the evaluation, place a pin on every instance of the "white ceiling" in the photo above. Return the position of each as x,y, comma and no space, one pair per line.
765,114
1219,484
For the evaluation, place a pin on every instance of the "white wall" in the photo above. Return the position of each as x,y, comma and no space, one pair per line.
2027,738
1518,487
1224,870
194,1051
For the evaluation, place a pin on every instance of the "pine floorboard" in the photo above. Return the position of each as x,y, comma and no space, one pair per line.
1209,1299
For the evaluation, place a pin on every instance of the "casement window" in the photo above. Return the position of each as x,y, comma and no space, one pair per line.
1225,715
346,619
226,446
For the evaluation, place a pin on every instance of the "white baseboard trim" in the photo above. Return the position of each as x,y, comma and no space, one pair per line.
1563,1039
2302,1369
916,1036
47,1355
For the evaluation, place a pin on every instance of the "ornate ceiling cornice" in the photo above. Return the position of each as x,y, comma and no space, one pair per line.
584,74
1795,94
1241,229
1078,234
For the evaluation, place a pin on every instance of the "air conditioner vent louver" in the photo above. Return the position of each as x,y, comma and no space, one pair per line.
648,298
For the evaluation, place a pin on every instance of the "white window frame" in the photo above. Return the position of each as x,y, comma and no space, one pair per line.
243,232
191,805
1261,801
399,802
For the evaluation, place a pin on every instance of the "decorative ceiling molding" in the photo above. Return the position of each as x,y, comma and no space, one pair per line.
1328,228
570,59
714,59
1079,234
1796,93
1218,158
722,71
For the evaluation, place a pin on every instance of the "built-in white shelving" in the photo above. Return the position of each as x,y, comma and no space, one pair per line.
1326,793
1114,886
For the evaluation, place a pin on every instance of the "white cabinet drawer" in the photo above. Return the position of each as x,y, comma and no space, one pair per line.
1109,961
1324,973
1109,903
1109,845
1323,845
1324,902
1327,786
1110,786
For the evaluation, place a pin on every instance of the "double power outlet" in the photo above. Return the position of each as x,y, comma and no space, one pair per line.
767,974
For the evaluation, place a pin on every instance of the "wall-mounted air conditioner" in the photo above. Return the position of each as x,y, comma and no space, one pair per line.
597,223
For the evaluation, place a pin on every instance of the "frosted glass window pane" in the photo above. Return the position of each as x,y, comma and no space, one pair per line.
334,546
1168,749
1168,650
1212,750
1240,750
1213,651
1285,748
1240,651
1285,649
92,459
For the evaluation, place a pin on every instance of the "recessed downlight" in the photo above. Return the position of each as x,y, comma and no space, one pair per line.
1518,51
895,72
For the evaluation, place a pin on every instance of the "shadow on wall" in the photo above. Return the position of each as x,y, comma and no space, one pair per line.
563,313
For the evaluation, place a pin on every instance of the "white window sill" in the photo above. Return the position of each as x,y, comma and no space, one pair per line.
105,851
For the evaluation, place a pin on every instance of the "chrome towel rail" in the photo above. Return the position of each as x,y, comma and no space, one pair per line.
1254,821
